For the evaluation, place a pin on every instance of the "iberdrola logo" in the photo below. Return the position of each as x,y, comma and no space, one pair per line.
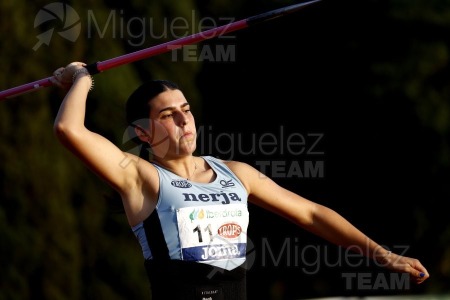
57,16
196,214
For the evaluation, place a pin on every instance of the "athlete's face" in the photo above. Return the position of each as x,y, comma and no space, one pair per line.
172,129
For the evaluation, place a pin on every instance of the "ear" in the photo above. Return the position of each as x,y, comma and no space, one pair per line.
142,134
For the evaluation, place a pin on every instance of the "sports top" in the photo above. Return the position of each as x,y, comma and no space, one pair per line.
197,222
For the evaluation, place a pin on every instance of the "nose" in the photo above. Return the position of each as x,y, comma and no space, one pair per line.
183,120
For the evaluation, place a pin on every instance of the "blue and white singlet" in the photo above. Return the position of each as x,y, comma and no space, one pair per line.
197,222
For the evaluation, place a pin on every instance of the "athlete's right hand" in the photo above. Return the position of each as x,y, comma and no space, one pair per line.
63,76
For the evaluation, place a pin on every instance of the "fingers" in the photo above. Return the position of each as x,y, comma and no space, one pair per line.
56,82
60,78
58,72
420,277
56,79
70,68
63,76
75,65
420,273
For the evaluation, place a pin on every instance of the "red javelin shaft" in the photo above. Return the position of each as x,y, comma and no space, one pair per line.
162,48
165,47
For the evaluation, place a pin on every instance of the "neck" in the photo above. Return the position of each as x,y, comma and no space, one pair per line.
186,167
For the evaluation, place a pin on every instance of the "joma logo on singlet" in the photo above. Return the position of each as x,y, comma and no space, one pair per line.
224,198
181,184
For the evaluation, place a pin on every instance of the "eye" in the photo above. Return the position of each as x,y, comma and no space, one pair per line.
166,116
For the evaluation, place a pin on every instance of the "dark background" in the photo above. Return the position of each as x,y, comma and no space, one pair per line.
315,73
369,77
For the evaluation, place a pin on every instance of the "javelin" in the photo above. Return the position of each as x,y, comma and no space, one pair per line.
101,66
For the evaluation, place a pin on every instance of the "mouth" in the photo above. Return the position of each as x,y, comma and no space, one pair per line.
187,135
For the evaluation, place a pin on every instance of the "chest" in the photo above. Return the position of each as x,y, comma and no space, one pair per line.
182,193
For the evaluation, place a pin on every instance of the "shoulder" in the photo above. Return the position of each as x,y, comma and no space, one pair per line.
246,173
238,166
234,165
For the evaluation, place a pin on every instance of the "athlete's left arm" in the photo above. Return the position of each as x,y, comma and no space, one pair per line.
320,220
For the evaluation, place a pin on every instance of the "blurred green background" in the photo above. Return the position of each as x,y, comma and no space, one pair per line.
371,77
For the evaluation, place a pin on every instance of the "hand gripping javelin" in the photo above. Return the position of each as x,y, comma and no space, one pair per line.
101,66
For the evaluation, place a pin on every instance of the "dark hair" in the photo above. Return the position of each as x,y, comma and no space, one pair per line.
138,104
138,109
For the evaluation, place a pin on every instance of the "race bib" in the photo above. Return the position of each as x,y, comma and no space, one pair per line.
214,232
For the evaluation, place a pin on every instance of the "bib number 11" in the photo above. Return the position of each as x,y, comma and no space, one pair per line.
198,229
